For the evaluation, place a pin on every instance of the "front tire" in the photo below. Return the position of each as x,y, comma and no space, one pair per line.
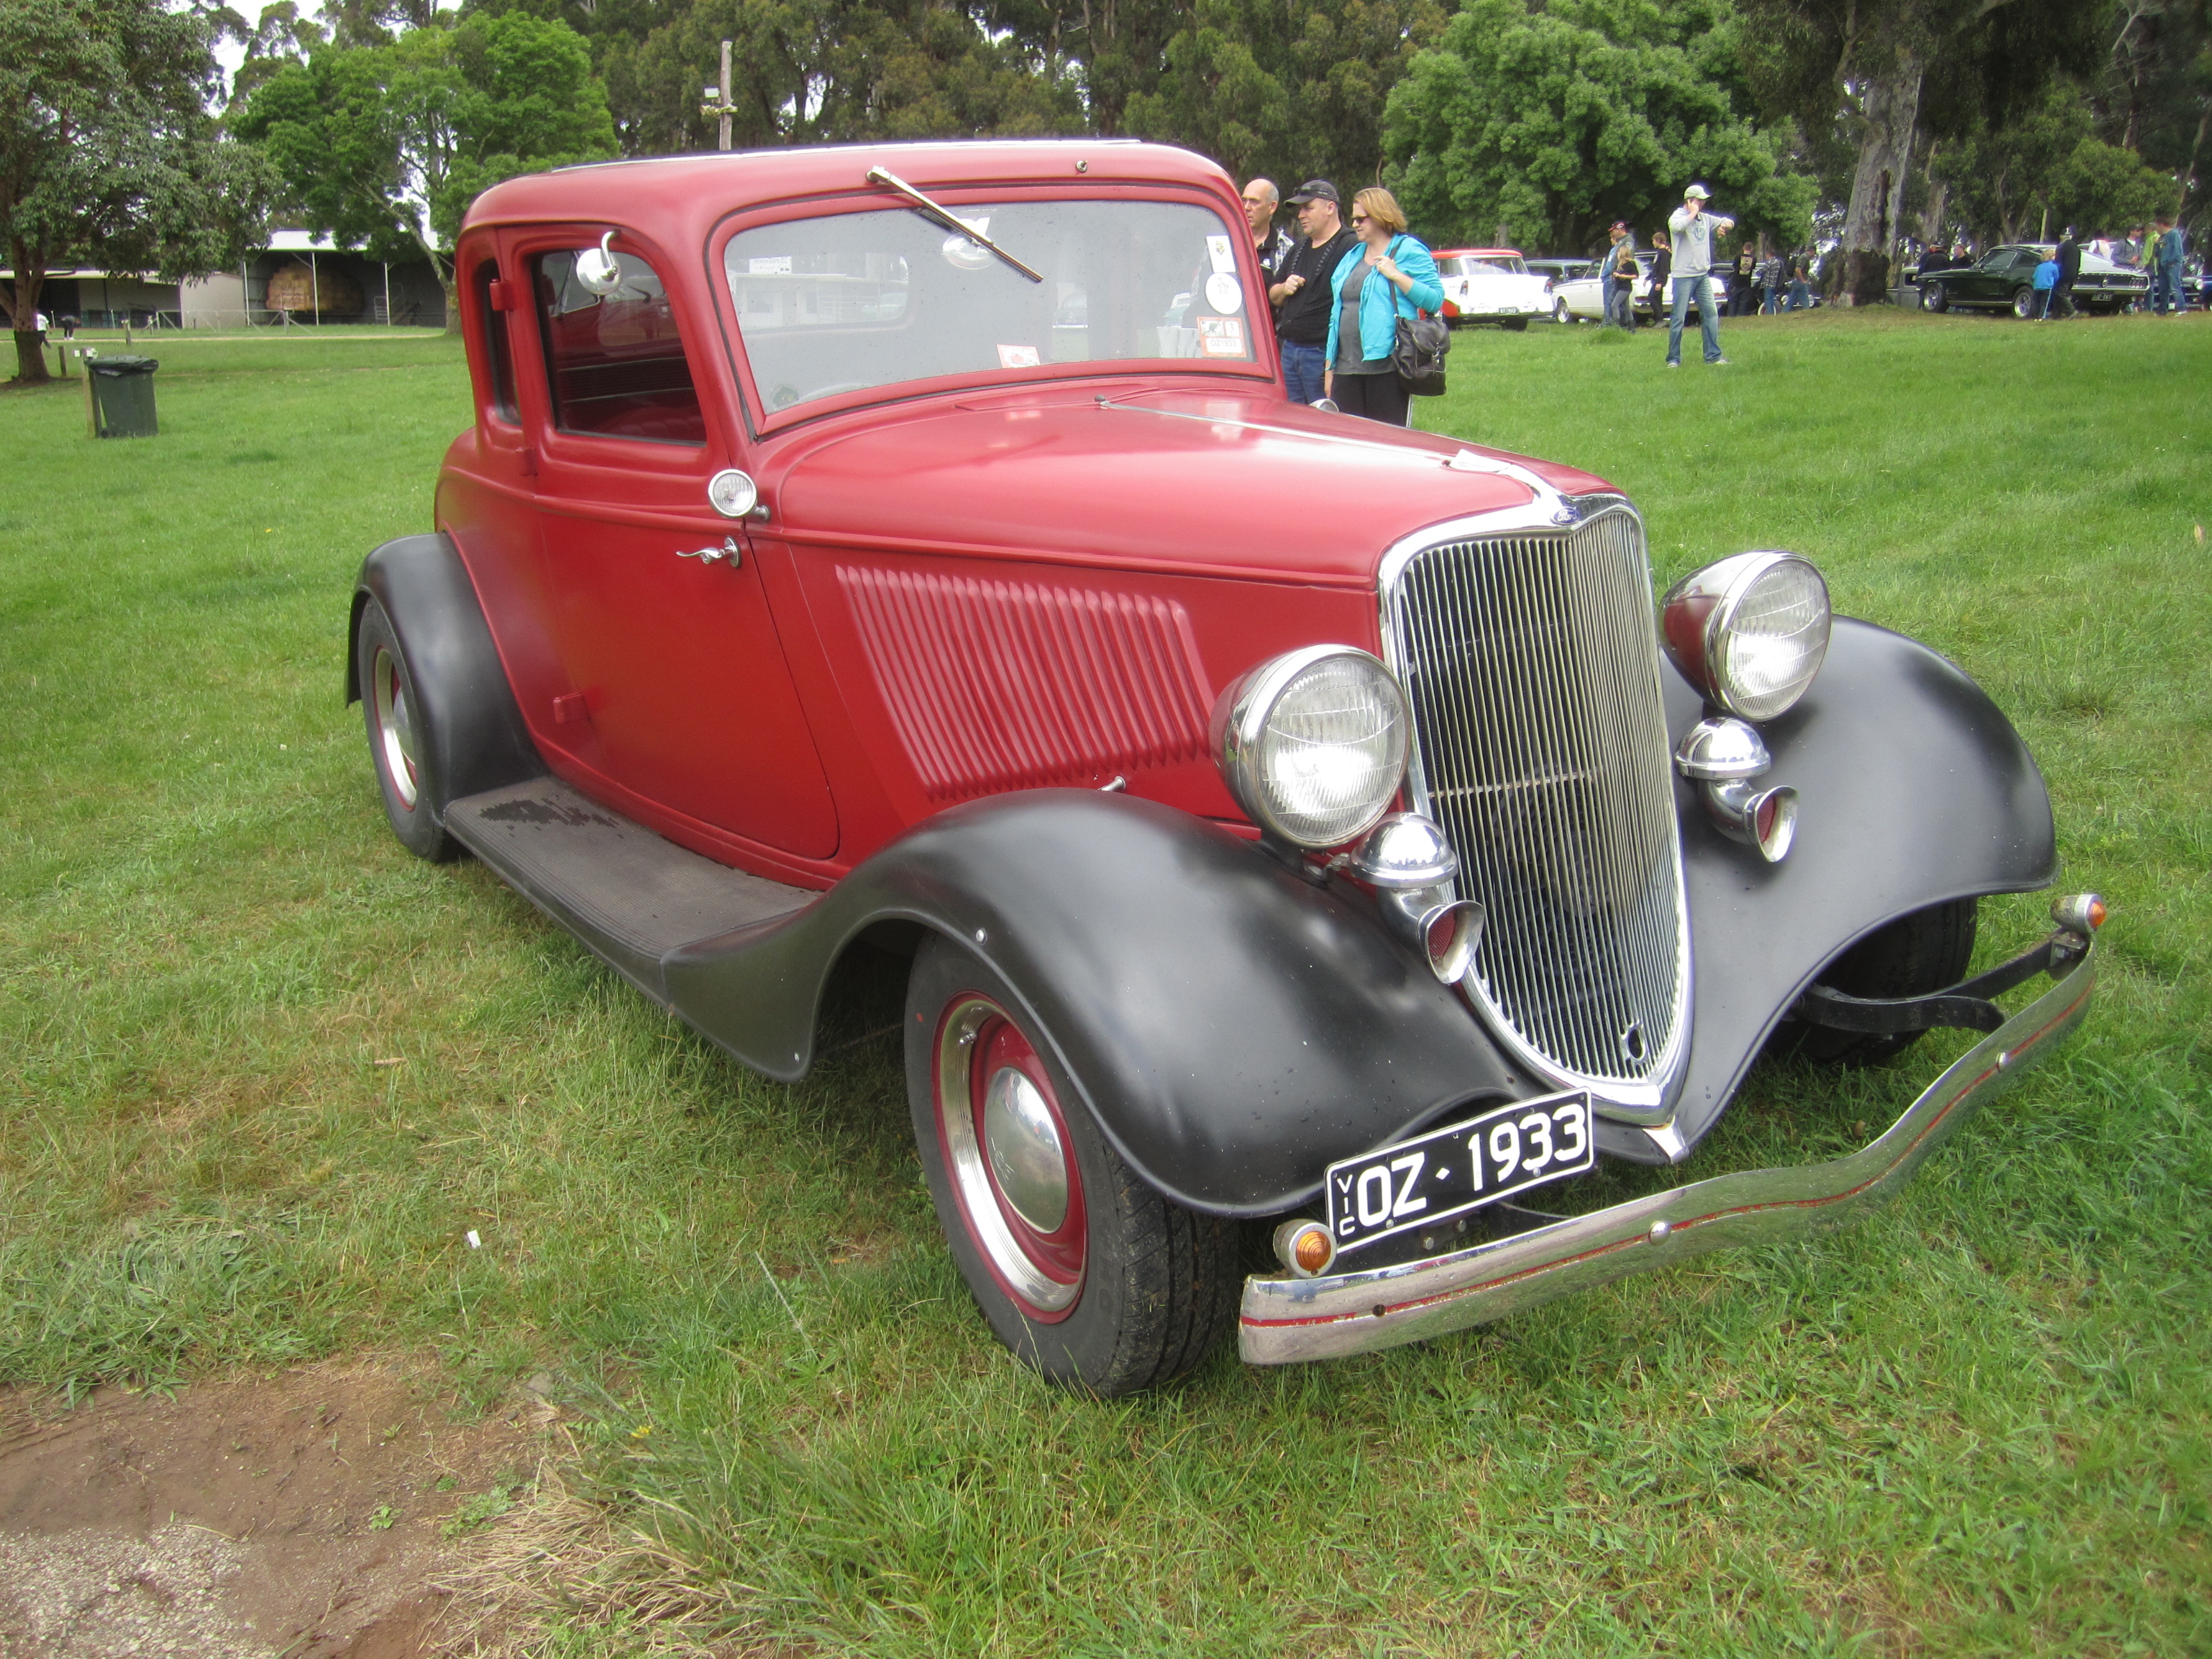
1559,313
406,768
1926,952
1079,1267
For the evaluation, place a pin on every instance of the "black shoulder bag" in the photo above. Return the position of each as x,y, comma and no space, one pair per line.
1419,353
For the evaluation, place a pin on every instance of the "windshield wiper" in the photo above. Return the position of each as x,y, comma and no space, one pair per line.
884,176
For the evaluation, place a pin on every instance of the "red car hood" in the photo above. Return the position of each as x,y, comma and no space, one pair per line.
1197,482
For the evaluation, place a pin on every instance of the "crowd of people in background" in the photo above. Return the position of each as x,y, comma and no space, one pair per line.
1340,287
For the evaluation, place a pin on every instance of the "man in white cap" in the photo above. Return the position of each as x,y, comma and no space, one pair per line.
1694,230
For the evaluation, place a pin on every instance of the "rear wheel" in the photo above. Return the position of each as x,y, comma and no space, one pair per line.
1559,313
1932,298
1926,952
1083,1270
406,770
2023,304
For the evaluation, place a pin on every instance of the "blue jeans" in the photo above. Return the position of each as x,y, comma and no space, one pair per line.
1620,306
2166,289
1302,369
1709,318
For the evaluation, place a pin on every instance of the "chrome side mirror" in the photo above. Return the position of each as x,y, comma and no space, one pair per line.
598,269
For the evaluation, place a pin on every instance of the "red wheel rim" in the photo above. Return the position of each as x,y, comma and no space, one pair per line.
1009,1158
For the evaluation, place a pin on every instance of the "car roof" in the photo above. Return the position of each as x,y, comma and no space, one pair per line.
693,192
1478,253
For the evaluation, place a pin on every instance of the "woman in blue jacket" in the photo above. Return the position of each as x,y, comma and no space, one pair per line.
1392,278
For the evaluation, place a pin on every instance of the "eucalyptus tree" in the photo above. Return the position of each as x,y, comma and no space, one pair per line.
1887,71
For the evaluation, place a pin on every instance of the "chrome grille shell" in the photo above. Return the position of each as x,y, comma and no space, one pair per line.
1526,643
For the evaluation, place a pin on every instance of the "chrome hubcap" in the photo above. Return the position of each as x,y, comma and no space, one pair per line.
1027,1160
1006,1149
395,727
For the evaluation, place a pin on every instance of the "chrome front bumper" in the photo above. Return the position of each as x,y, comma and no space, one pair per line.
1287,1320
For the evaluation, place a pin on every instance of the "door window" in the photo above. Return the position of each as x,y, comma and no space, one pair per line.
496,347
614,364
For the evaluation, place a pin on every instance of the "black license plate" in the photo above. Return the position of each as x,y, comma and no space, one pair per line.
1460,1167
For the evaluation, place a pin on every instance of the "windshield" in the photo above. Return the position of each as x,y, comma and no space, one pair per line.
852,300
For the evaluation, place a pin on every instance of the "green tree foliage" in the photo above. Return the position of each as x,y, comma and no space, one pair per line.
1886,70
1295,90
813,71
2046,169
2155,94
108,157
1544,126
384,146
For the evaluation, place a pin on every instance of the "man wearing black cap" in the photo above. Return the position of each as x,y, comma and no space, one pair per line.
1303,293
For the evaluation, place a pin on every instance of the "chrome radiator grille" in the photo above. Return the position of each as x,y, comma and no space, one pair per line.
1530,661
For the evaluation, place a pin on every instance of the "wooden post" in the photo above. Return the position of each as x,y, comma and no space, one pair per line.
91,413
718,98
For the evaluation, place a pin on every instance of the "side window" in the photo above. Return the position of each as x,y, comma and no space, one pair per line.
614,364
500,350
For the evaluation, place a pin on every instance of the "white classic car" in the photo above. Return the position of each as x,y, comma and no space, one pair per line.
1491,285
1582,300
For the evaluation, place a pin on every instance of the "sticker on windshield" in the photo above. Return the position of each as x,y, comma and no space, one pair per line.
1218,250
776,265
1014,356
1221,337
1223,293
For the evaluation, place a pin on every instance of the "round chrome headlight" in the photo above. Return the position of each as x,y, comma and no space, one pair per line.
1749,631
1312,743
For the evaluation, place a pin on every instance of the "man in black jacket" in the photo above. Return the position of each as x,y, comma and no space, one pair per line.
1303,295
2069,267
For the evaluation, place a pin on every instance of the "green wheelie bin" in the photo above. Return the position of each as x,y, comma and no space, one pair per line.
122,391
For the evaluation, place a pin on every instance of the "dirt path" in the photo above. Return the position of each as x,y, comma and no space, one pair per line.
297,1516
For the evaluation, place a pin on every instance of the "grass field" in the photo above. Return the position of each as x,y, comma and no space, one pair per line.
259,1071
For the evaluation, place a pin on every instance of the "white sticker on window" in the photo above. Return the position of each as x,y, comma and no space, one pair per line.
776,265
1223,292
981,226
1221,337
1224,256
1015,356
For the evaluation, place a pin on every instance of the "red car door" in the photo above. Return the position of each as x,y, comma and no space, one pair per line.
678,693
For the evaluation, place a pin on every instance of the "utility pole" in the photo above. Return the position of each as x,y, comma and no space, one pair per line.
717,102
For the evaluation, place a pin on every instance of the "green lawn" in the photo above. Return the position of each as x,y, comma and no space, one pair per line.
259,1071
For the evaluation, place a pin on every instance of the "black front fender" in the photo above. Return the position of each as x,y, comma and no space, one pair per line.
1233,1028
464,705
1913,789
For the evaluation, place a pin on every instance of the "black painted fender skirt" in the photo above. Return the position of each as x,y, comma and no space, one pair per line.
463,704
1233,1028
1913,789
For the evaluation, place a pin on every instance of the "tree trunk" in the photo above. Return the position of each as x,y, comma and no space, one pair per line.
30,284
1890,107
1933,228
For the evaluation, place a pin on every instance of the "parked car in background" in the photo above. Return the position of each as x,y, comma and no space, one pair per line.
2004,279
1558,270
1582,299
1491,285
850,578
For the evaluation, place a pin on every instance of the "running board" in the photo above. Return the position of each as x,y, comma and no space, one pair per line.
629,894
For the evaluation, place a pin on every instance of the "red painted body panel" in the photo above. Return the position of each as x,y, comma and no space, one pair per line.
959,588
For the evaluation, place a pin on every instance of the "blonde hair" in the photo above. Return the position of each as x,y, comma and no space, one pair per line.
1382,207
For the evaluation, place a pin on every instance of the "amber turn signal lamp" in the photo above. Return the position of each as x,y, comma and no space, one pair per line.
2080,913
1304,1248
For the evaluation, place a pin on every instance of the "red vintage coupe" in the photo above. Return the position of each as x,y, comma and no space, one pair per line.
1290,828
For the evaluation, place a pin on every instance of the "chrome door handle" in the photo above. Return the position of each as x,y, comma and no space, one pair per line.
728,550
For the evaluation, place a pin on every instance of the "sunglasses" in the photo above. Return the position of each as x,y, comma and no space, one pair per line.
1359,219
